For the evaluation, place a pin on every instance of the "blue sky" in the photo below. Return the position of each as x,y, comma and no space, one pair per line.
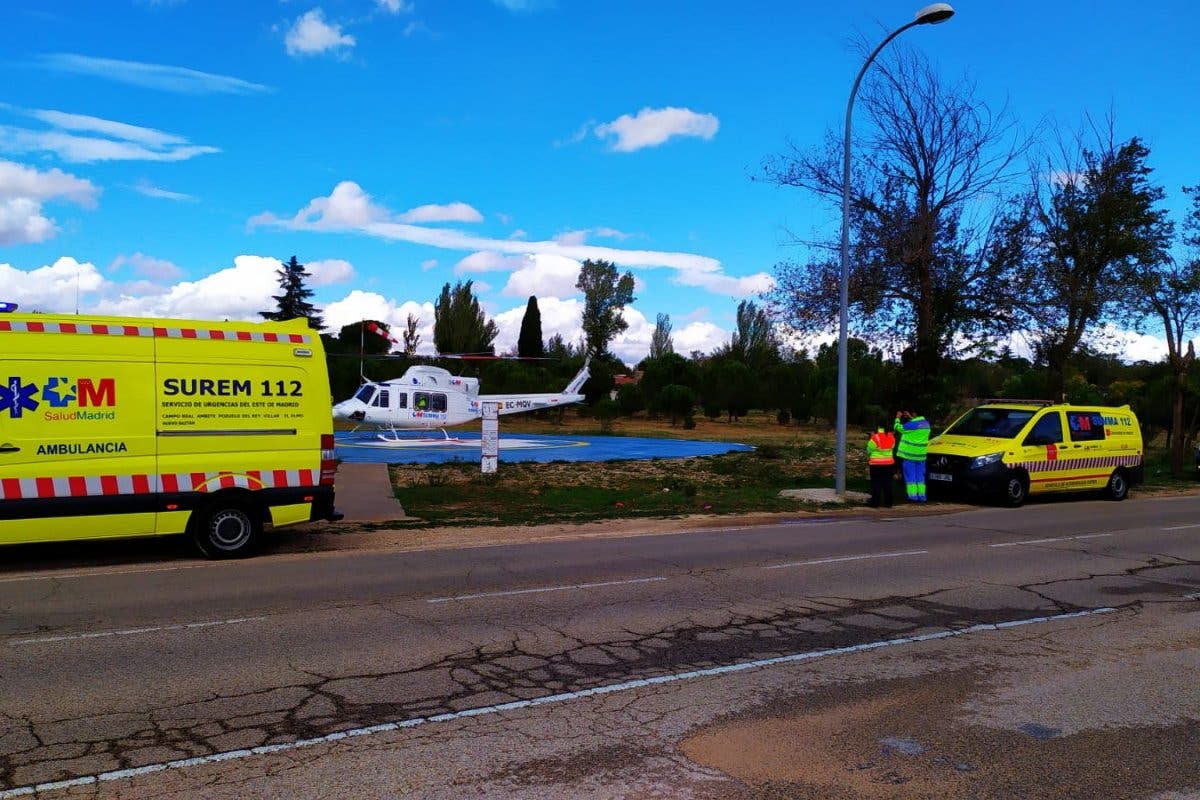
157,157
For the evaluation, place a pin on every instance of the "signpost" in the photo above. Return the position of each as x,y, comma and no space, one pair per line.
489,438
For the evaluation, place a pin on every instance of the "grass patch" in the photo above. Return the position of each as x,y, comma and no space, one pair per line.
528,493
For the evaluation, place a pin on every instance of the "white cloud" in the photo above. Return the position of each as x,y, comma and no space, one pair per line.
651,127
488,261
349,208
454,212
717,283
151,76
360,305
524,6
103,140
428,264
703,337
393,6
150,190
328,271
544,275
312,35
237,292
156,269
24,189
49,288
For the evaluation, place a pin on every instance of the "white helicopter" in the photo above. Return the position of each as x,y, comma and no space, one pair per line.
425,398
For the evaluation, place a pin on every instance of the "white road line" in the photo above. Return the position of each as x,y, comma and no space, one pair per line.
133,631
846,558
1058,539
1182,527
543,589
122,774
65,575
1194,596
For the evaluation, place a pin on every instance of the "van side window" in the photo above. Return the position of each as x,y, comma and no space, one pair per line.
1047,430
437,402
1086,426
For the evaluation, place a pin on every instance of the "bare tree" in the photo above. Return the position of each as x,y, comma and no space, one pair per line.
924,189
660,341
411,337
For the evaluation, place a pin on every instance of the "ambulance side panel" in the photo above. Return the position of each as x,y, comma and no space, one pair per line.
77,439
238,417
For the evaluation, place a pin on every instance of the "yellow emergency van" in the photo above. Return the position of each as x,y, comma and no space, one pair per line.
116,427
1012,449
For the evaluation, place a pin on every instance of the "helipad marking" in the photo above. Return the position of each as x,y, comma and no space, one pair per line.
122,774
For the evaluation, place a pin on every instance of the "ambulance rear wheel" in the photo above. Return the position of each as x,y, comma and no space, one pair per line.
227,529
1016,489
1118,486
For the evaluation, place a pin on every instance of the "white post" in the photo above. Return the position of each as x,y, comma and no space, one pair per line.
489,437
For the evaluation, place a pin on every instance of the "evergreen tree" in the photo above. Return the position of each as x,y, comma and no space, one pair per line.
605,295
459,324
529,343
293,303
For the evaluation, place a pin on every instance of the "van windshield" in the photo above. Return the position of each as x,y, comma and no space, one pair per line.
1004,423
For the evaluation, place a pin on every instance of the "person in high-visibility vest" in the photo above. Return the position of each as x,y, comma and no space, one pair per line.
913,431
882,465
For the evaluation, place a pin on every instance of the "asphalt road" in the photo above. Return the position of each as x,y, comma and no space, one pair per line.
1049,651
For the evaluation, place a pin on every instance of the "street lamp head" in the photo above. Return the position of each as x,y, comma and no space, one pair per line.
932,15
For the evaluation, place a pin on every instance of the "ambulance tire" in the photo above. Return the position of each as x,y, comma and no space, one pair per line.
227,528
1117,487
1016,489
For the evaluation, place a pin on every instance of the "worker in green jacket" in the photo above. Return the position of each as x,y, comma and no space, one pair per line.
913,431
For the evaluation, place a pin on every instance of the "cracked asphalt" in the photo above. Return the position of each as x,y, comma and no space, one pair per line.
147,662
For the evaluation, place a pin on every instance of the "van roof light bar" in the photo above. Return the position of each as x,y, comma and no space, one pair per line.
991,401
7,308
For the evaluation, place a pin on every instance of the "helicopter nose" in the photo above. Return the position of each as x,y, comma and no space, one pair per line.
347,411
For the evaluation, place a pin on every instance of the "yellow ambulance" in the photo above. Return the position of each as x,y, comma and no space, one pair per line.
116,427
1012,449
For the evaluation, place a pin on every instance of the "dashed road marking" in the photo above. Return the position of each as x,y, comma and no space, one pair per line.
132,631
1182,527
565,588
66,575
1056,539
232,755
846,558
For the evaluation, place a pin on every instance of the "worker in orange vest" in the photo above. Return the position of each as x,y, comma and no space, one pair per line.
882,463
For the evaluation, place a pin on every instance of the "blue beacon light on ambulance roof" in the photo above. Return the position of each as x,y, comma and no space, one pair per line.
6,308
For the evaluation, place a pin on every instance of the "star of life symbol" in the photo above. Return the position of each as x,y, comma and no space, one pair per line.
16,397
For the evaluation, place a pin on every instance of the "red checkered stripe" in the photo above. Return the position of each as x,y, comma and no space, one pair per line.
111,485
1096,462
154,331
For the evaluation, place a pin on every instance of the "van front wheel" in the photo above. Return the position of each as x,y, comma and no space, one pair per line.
227,529
1016,489
1117,487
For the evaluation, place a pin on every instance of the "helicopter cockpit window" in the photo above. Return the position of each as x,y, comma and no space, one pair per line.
381,399
365,394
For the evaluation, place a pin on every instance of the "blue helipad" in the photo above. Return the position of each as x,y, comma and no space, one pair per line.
433,447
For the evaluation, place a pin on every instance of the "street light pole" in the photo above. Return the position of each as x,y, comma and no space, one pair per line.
929,15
